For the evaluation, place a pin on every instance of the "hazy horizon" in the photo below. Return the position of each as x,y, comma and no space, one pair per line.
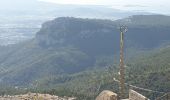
15,13
158,6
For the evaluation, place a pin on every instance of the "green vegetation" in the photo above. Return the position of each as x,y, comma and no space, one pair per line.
79,57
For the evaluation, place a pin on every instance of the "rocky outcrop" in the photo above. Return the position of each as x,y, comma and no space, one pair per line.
70,30
36,96
107,95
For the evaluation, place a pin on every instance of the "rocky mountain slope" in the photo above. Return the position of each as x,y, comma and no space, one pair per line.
65,47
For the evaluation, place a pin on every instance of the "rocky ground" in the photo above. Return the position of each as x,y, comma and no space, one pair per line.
35,96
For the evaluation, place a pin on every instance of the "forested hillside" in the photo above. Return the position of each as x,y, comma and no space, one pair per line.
73,54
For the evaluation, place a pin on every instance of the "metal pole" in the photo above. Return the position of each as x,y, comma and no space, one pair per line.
123,29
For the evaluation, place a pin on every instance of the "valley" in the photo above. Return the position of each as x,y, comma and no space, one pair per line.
79,57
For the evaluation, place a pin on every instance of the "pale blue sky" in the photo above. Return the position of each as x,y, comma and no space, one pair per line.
112,2
155,6
162,6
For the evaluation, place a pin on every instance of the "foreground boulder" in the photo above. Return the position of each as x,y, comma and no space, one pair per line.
107,95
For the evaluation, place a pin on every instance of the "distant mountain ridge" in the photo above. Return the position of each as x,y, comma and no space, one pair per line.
146,20
65,30
69,45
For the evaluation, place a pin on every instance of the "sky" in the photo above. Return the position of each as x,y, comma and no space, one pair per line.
161,6
111,2
155,6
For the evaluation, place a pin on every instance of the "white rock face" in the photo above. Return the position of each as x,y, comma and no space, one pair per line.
107,95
